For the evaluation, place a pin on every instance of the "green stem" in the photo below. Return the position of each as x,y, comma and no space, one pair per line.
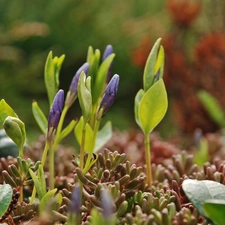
82,147
90,154
92,119
148,160
51,168
60,125
43,159
44,156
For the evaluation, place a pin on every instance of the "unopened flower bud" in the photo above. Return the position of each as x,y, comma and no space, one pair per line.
55,113
107,204
72,93
108,51
109,95
75,204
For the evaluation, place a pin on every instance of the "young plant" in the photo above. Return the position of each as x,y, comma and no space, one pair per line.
151,101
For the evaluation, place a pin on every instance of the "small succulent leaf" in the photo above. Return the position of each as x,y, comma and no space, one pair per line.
215,209
15,129
103,136
150,66
49,75
199,192
6,194
40,191
100,82
40,117
153,107
84,96
67,130
137,101
88,135
159,65
45,200
213,107
5,111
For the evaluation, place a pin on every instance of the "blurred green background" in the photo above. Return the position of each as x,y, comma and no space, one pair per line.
30,29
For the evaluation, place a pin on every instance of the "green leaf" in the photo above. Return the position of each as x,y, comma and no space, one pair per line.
49,75
84,96
88,134
153,107
45,199
149,70
100,82
159,65
103,136
41,190
199,192
215,209
6,194
213,107
40,117
5,111
58,64
67,130
137,101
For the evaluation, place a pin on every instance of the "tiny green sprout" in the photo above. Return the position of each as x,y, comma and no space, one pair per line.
151,102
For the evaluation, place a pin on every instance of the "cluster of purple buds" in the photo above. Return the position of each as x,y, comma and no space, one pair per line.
72,93
75,199
109,96
55,113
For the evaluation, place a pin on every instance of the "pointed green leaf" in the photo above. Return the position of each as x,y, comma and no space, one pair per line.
37,184
100,82
88,134
57,66
160,62
39,117
103,136
67,130
5,111
137,101
84,96
215,209
153,107
6,194
50,79
150,66
45,199
199,192
213,107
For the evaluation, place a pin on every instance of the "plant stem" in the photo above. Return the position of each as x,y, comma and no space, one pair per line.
51,168
90,154
148,160
82,146
44,156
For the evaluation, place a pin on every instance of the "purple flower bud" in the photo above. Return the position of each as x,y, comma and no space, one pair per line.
74,83
55,112
107,204
75,203
109,95
108,51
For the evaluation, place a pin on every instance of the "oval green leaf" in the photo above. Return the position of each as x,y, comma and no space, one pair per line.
6,194
215,209
153,106
199,192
